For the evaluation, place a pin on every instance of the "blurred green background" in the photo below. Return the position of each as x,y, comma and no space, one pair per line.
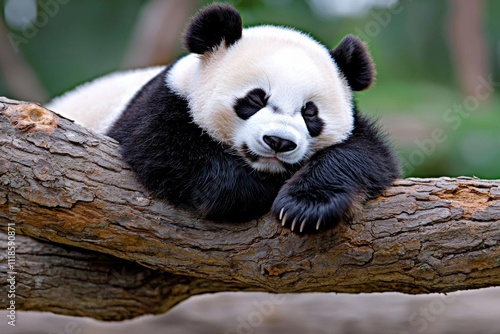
437,61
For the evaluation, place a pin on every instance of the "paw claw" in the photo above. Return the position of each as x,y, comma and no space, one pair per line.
302,225
281,214
283,222
305,210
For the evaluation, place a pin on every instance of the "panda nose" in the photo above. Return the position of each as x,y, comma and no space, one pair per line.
279,144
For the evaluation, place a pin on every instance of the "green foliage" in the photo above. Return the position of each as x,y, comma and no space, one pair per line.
469,144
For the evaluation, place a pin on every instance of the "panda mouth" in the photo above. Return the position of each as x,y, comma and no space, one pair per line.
254,157
264,163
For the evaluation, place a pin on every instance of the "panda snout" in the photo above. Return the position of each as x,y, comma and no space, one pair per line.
279,144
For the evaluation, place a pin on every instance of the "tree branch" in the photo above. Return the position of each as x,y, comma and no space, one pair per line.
60,182
70,281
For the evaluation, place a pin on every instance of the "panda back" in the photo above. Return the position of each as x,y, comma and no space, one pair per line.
97,104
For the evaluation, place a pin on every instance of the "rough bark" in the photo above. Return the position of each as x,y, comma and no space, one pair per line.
60,182
70,281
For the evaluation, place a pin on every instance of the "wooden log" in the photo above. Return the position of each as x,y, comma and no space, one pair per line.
72,281
62,183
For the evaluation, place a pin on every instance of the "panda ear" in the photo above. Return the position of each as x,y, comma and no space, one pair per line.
355,62
212,25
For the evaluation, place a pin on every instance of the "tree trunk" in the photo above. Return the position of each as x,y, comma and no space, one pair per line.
62,183
468,47
155,38
18,76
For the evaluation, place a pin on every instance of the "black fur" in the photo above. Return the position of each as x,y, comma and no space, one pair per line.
355,62
213,24
176,160
338,178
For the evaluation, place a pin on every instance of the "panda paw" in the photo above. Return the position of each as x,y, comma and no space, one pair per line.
313,210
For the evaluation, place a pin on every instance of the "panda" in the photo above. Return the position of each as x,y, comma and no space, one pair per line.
250,121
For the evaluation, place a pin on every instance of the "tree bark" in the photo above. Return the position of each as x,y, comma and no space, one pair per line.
62,183
70,281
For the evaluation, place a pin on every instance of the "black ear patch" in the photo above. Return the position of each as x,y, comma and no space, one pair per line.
212,25
355,62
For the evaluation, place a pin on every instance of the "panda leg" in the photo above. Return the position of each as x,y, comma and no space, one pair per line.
337,180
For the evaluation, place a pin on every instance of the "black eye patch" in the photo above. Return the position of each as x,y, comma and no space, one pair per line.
313,122
248,105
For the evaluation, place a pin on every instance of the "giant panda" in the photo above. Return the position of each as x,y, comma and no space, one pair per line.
250,121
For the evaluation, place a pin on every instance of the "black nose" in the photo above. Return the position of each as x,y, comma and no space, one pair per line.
279,144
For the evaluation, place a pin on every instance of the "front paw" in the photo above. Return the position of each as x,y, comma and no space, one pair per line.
309,211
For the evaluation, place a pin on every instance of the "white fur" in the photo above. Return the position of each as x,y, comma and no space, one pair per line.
97,104
270,123
291,67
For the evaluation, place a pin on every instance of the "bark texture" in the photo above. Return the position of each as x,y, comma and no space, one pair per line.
61,183
71,281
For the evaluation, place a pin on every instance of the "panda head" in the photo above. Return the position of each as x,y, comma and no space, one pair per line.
273,94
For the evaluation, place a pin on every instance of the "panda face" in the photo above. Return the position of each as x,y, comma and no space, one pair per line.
269,137
276,96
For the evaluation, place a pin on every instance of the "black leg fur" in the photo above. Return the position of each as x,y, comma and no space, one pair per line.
176,160
337,179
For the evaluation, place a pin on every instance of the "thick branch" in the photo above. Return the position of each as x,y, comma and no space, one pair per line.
69,186
71,281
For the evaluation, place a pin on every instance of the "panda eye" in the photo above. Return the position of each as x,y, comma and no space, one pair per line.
255,100
257,97
313,121
309,110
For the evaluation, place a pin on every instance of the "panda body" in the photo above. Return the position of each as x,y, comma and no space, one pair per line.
251,120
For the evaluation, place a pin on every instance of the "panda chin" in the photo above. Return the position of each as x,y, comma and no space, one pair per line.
269,165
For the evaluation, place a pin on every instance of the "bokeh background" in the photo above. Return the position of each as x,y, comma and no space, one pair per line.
438,62
437,94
